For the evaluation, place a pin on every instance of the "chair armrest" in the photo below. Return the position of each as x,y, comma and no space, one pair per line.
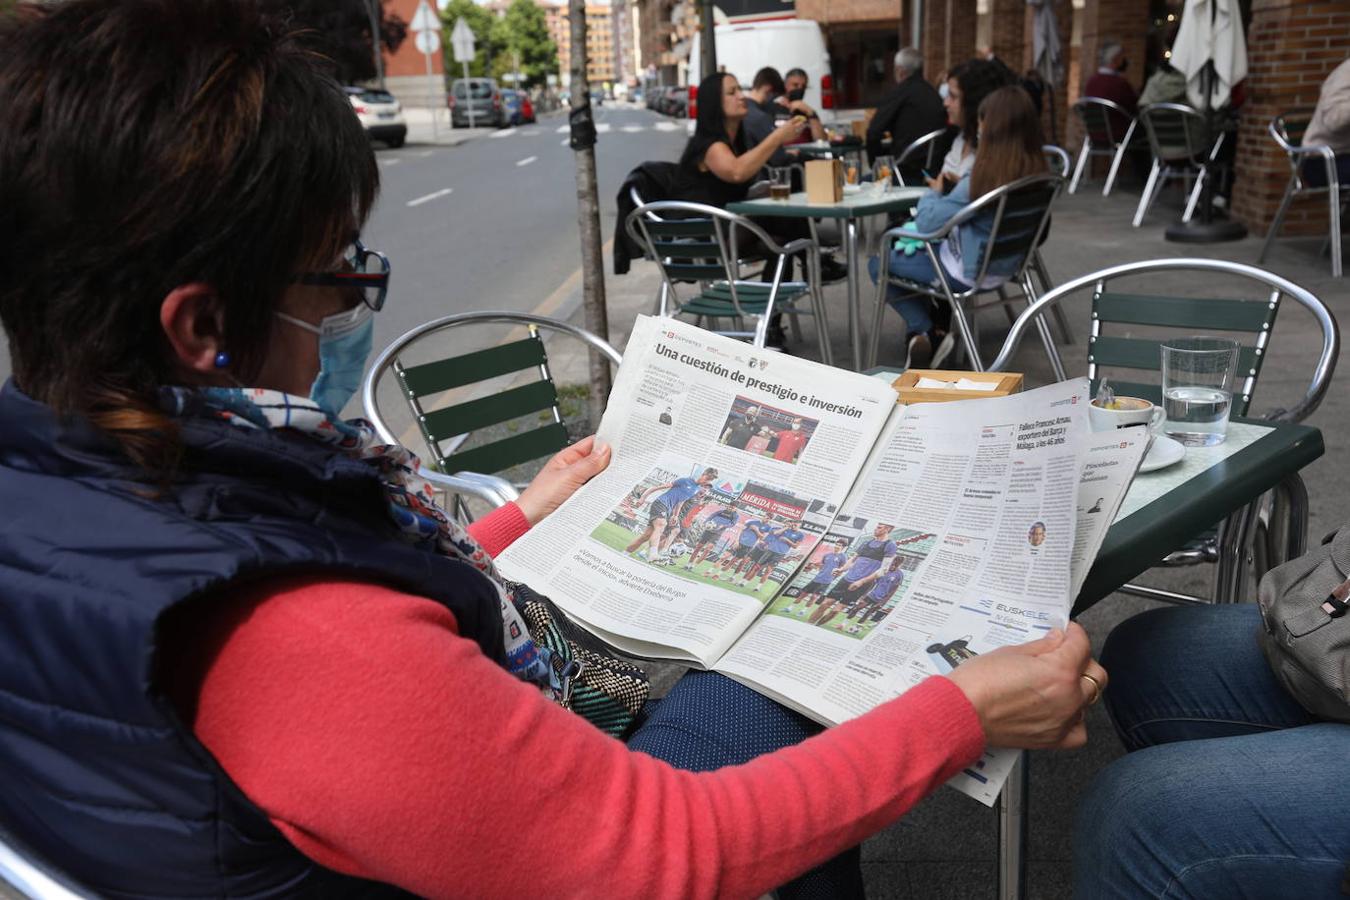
800,244
488,488
1314,150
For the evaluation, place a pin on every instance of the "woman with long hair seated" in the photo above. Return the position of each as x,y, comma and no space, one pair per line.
717,165
1010,148
243,653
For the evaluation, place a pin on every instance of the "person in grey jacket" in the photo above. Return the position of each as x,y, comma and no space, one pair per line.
1330,127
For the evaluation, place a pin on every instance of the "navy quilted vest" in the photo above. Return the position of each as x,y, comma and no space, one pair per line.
97,773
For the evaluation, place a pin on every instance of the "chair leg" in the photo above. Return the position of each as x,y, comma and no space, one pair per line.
879,312
1146,199
1012,831
663,299
1115,168
1083,156
1335,203
964,328
1277,222
1194,199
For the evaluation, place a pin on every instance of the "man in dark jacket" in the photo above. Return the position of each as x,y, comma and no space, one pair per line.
912,110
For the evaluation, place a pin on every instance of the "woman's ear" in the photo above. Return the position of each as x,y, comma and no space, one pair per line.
194,326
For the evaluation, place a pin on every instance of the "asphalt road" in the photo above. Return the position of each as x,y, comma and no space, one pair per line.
491,223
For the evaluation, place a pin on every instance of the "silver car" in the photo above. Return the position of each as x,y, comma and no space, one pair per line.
484,97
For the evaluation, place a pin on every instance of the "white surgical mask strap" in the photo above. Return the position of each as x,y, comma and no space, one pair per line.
300,323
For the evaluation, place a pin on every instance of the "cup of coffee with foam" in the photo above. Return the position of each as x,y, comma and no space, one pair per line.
1125,412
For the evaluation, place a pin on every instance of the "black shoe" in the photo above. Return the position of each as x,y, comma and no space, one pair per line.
775,336
918,352
832,270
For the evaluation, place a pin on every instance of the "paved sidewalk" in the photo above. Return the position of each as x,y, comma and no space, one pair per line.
946,846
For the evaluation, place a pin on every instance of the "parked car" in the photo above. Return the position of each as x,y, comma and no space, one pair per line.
380,114
483,96
675,102
746,47
519,109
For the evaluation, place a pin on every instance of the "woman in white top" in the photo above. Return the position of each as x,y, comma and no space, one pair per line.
967,86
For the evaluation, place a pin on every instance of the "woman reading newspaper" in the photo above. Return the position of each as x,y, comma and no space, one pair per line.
243,653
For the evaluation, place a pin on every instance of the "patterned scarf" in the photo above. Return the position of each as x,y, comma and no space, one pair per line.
409,498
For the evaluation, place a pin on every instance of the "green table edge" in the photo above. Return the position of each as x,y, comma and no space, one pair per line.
1142,539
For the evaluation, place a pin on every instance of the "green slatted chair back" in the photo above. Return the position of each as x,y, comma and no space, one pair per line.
690,250
1249,322
445,429
1176,132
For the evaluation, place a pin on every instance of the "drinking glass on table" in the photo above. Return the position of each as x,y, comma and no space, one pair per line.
883,172
852,168
1197,381
780,183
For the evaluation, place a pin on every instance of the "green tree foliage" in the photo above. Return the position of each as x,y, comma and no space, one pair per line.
523,33
487,48
341,31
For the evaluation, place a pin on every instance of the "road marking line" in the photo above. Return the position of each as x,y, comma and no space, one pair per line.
526,161
425,153
505,132
632,129
563,129
602,128
390,162
566,141
547,307
530,132
667,126
429,197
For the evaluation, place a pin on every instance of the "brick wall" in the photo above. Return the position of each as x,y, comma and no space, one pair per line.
409,61
1123,21
1008,36
1292,45
1064,13
948,35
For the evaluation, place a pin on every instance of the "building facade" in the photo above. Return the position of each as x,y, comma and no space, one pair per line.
601,70
405,70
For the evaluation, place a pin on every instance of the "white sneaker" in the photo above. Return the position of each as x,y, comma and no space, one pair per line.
642,555
917,347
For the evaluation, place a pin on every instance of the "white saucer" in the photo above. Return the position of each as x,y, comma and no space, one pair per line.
1164,452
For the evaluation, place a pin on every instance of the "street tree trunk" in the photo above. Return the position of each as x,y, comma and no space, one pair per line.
708,41
588,213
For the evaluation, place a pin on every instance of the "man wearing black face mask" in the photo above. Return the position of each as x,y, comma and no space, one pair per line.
795,82
1110,83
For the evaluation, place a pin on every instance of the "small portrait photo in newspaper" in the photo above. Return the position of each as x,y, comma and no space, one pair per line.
765,431
855,577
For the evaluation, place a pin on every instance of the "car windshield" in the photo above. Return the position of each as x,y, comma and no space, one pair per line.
375,96
477,90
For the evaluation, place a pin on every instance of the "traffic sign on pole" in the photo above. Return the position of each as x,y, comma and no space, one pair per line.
425,19
429,42
462,41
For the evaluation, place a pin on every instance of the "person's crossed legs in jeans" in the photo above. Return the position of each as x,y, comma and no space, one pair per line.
1230,788
927,320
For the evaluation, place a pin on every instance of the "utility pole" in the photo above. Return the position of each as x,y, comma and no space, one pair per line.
373,8
708,42
582,126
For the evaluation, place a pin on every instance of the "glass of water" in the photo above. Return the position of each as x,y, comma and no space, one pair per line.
1197,381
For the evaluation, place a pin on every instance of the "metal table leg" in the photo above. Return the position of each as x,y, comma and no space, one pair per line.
854,303
1012,833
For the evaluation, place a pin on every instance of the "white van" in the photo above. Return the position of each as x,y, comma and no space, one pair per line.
746,47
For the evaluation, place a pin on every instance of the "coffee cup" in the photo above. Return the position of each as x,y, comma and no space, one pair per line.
1125,412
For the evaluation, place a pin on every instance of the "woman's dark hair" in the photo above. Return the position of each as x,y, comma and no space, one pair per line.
710,126
1010,144
149,144
977,78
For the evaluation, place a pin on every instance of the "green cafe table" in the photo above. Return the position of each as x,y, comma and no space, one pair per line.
1162,511
867,201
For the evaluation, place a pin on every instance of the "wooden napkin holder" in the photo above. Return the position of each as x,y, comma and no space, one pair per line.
824,181
1007,383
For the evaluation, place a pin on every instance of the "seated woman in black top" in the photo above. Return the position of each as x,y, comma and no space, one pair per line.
716,167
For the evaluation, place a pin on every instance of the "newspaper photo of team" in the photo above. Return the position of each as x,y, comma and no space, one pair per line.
855,577
747,537
766,431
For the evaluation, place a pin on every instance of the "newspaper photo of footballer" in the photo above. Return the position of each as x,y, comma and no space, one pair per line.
742,537
766,431
856,576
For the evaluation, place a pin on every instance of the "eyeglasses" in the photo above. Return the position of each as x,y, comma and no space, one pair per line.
364,270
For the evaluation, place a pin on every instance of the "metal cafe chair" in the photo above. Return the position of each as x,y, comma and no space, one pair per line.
1102,117
924,150
1178,138
693,243
23,875
529,414
1288,134
1020,213
1247,533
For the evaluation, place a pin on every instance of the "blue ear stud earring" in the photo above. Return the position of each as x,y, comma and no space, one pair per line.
222,360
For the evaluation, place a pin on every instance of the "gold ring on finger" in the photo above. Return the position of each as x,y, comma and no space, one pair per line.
1096,688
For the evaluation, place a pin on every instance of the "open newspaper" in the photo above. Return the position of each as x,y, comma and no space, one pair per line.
788,524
